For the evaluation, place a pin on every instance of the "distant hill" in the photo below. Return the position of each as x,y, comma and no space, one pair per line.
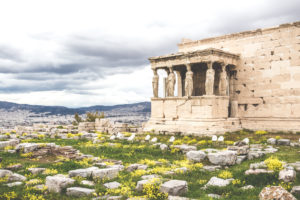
56,110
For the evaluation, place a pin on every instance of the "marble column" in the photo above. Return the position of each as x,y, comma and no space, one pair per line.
165,83
165,87
155,81
210,77
223,81
171,81
179,83
188,85
231,87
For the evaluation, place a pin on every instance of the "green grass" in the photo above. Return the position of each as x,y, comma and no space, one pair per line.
133,152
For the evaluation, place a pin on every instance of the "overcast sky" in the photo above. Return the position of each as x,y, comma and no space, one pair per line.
81,53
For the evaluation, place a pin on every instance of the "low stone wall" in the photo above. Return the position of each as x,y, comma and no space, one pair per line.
204,107
86,126
272,124
193,126
104,125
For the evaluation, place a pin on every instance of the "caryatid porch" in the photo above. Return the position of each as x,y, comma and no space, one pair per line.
205,91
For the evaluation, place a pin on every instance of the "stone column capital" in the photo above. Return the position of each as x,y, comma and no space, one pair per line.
188,67
223,66
209,64
170,68
167,70
154,71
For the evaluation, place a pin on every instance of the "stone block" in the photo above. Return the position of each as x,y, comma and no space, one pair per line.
157,108
195,156
174,187
58,182
108,173
223,158
79,191
281,78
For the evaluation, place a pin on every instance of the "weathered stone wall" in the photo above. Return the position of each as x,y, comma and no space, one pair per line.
86,126
268,76
104,125
190,108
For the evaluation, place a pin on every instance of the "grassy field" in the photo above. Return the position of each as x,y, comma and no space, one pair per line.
140,151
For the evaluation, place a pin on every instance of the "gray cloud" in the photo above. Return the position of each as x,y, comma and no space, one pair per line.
81,58
9,53
270,14
119,53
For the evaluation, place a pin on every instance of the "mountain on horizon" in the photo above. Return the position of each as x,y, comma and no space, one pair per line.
62,110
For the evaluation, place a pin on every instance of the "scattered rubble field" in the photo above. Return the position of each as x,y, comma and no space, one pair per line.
244,165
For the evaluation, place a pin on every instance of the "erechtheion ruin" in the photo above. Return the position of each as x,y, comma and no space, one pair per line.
244,80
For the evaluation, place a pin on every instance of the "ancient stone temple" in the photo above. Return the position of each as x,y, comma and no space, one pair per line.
243,80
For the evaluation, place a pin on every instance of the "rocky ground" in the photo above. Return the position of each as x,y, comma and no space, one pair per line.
238,165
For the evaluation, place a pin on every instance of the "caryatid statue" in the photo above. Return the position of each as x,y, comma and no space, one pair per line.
171,83
155,80
188,85
209,82
223,81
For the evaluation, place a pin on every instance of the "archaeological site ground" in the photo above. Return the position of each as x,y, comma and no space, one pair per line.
225,124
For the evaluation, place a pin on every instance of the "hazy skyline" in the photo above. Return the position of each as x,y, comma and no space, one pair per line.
82,53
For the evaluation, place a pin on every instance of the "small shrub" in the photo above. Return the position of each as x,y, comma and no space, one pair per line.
86,162
4,179
148,162
138,173
152,191
26,155
277,137
225,174
8,196
209,142
237,182
228,142
34,182
8,148
243,132
202,142
196,166
163,161
178,142
286,186
202,181
29,196
193,141
274,164
70,135
127,134
123,190
50,172
41,136
261,132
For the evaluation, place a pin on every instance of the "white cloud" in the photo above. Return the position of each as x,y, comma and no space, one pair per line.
111,90
80,53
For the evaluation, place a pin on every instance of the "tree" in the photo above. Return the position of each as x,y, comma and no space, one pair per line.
77,119
92,116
